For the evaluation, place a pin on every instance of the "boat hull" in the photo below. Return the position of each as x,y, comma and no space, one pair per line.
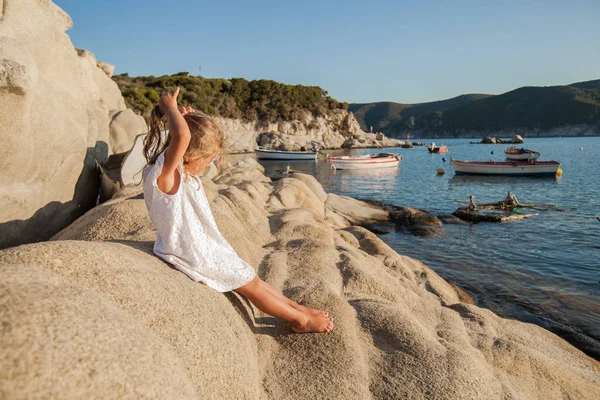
285,155
442,149
523,157
526,155
363,162
510,168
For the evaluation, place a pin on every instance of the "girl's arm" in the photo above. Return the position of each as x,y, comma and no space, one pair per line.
168,180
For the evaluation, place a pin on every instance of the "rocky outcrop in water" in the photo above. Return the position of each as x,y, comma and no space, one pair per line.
54,122
95,313
516,139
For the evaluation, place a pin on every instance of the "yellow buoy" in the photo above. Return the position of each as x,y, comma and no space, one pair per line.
441,171
559,172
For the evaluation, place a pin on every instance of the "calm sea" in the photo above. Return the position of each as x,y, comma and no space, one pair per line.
544,269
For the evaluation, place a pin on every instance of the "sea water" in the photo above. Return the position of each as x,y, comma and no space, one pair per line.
544,269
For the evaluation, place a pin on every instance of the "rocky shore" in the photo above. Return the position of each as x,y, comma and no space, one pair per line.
93,311
339,130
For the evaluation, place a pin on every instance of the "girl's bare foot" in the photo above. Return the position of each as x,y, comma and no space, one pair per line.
308,310
318,323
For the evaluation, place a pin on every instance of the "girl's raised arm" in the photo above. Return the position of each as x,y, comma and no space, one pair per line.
168,181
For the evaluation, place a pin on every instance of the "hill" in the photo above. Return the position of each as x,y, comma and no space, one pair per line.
384,115
237,98
529,109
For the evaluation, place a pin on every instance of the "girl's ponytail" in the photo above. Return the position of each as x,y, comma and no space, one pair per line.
153,142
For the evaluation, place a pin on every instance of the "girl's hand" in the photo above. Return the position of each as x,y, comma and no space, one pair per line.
186,110
168,101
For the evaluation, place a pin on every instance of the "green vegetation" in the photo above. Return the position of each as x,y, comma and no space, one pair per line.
541,108
262,100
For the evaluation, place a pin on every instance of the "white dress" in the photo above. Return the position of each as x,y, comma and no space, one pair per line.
187,236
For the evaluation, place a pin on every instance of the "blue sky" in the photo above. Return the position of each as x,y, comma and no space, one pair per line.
359,51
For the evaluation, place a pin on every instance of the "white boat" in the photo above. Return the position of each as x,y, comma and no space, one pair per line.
268,154
514,153
510,168
382,160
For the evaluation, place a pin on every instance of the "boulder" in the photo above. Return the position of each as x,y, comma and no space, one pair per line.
517,139
107,68
416,221
54,122
124,126
355,212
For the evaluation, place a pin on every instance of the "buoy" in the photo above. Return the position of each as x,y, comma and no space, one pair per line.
492,152
581,148
443,159
441,171
559,172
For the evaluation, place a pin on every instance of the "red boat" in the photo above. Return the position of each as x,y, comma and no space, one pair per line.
437,149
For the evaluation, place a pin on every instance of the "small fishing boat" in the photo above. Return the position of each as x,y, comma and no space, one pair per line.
371,161
511,168
269,154
433,148
514,153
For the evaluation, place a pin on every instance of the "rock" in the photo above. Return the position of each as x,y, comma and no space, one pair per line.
517,139
211,171
107,68
416,221
124,126
95,313
312,184
354,211
489,140
328,132
113,353
54,122
452,220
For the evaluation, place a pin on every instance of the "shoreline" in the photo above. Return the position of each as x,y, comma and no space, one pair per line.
397,320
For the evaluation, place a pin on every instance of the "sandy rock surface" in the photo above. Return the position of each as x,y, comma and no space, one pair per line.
54,122
96,294
124,126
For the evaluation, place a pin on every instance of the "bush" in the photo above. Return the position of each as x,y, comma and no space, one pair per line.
264,100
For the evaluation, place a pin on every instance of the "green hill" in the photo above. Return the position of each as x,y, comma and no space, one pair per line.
263,100
386,115
526,108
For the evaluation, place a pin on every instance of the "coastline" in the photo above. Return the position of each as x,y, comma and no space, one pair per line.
394,315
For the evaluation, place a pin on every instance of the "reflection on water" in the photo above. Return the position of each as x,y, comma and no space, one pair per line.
544,270
473,179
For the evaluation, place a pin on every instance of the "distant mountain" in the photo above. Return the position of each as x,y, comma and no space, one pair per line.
570,109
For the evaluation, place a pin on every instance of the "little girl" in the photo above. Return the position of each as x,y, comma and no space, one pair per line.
186,233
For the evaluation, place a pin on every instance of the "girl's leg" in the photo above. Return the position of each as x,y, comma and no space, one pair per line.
259,294
292,303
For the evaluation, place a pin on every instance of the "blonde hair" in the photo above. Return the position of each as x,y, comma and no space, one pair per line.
207,138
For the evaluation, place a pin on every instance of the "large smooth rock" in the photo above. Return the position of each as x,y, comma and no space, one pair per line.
517,139
54,122
416,221
355,212
124,126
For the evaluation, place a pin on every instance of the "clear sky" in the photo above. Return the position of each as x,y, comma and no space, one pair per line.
360,51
